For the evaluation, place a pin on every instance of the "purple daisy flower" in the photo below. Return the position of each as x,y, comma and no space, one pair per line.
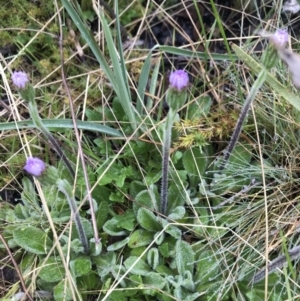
179,80
19,79
280,38
35,166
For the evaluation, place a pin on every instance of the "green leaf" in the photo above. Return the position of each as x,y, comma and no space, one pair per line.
184,257
146,198
117,174
102,214
62,292
172,230
177,213
143,82
148,220
153,258
81,266
29,196
199,108
117,77
207,267
112,228
104,263
126,220
240,156
52,270
195,163
118,245
139,268
119,223
155,282
32,239
140,238
223,184
54,124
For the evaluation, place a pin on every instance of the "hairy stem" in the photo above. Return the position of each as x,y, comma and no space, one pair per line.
279,262
238,128
39,124
165,161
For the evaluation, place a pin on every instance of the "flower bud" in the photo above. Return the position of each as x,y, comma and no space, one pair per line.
177,94
21,81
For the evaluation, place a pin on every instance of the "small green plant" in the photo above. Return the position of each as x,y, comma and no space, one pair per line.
193,228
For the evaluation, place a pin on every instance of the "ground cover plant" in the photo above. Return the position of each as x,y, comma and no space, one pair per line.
149,150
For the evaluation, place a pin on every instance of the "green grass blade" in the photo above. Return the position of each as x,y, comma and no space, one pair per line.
143,80
122,88
115,77
273,83
197,54
61,124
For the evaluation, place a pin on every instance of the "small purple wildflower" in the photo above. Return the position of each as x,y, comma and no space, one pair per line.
19,79
179,80
280,38
35,166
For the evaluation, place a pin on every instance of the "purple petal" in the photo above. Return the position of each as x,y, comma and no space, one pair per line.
35,166
280,37
179,80
19,79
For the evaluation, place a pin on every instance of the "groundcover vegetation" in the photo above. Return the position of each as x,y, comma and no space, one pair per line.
124,172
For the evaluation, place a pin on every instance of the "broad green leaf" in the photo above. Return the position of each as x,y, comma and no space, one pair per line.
207,267
184,257
87,226
146,198
111,227
153,258
177,213
104,263
29,196
139,268
223,184
240,156
118,245
172,230
140,238
52,270
102,214
148,220
195,163
62,292
154,281
80,266
32,239
199,108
